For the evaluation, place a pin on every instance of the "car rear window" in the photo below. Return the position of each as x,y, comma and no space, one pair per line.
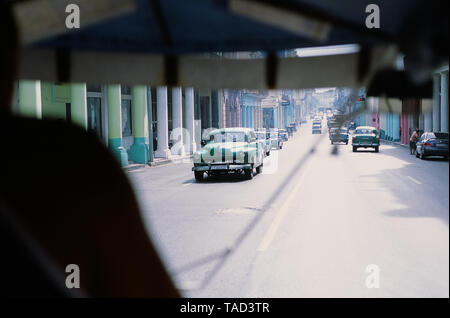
438,135
365,131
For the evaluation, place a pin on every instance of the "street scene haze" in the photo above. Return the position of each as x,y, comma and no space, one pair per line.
225,149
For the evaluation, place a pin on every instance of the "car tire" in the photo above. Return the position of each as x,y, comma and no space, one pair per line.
346,142
198,176
259,169
416,153
354,149
268,153
332,142
248,174
421,156
377,149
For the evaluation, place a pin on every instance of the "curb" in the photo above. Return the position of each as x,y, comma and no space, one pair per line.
159,162
134,166
162,162
396,143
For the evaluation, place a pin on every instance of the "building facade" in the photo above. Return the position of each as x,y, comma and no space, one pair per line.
123,117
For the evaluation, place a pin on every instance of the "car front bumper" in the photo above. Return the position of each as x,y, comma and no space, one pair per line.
222,167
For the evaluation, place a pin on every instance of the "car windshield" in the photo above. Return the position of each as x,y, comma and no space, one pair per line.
237,136
365,131
261,135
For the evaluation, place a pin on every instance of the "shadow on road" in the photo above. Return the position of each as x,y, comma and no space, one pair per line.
412,196
221,178
434,159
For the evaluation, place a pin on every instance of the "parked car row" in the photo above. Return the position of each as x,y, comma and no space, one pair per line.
236,151
429,144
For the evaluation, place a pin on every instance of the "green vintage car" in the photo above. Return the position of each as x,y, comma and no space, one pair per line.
366,137
229,150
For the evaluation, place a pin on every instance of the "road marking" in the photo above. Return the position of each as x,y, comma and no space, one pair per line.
187,184
270,234
414,180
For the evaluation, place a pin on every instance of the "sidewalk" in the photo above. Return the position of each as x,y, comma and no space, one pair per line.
157,162
397,143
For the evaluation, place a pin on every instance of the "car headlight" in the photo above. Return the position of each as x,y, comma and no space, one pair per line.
240,156
197,157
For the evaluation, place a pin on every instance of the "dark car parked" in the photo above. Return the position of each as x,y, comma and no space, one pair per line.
432,144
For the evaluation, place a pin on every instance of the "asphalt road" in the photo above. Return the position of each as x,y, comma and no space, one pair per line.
314,224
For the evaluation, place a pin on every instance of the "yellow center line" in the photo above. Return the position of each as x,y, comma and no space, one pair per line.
270,234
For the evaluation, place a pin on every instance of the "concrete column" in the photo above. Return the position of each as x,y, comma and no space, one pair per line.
281,116
421,121
115,125
396,127
162,118
444,102
428,122
388,125
383,124
247,111
391,126
436,103
78,107
30,102
189,98
177,121
139,149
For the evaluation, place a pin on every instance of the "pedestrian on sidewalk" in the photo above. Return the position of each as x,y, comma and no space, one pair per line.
412,142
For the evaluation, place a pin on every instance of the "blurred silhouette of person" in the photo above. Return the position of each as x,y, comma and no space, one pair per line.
65,200
413,142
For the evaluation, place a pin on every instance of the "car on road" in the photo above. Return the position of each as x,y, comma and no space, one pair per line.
261,135
276,142
229,150
283,134
332,124
316,129
366,137
338,135
351,128
432,144
317,122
